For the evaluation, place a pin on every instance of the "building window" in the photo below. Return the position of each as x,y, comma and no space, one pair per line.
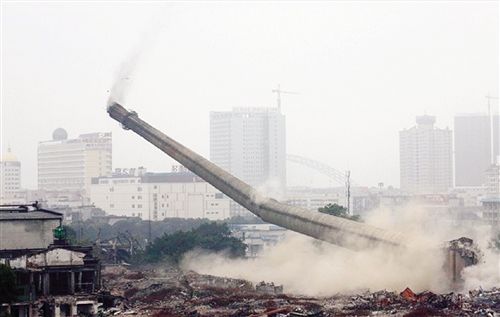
139,189
133,206
139,206
111,205
139,197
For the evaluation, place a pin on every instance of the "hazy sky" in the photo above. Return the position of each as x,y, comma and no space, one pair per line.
364,70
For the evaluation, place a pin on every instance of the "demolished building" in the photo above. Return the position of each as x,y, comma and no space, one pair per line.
53,278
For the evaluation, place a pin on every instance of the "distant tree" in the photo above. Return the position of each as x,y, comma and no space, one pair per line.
208,236
8,291
70,234
338,211
88,231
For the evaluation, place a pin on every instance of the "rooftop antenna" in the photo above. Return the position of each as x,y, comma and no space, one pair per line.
278,93
490,115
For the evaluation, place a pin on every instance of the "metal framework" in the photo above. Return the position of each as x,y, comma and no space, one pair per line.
332,173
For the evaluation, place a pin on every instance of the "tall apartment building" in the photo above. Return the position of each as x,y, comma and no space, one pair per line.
70,164
157,196
425,157
473,151
10,177
250,143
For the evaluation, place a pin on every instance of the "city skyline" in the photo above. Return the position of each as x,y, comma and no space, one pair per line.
315,174
351,104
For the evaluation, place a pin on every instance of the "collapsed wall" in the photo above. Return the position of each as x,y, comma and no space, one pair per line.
336,230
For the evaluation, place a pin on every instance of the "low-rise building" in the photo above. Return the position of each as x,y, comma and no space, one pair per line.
258,237
156,196
27,227
314,198
52,277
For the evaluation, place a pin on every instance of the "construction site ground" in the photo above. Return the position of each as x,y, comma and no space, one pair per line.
165,291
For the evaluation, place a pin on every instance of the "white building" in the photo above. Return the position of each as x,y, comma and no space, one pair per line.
258,237
493,181
68,165
314,199
476,138
250,144
469,196
156,196
10,177
425,158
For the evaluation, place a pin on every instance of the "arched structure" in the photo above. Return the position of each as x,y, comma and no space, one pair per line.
330,172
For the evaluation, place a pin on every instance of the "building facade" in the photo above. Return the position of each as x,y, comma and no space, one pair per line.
10,177
473,152
250,143
492,183
68,165
157,196
425,158
52,277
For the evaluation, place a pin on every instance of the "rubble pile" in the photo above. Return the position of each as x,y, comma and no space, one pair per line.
167,291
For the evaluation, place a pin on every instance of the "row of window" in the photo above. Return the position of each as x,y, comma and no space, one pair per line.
11,174
112,189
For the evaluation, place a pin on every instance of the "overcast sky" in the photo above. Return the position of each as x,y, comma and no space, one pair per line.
364,70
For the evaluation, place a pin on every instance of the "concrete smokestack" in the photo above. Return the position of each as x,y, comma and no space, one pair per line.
339,231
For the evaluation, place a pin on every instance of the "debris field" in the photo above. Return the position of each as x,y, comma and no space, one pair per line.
167,291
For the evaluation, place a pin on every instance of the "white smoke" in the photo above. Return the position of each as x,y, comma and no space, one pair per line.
271,188
305,266
127,71
123,79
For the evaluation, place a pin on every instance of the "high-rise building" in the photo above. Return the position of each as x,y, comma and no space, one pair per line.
250,143
425,157
10,176
473,147
69,164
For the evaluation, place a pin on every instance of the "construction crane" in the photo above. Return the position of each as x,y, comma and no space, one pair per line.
278,93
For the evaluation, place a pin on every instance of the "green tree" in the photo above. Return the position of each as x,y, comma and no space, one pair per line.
208,236
8,291
338,211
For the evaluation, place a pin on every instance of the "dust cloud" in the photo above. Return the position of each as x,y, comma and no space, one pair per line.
309,267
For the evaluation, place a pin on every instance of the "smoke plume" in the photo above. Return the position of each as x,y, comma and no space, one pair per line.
309,267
